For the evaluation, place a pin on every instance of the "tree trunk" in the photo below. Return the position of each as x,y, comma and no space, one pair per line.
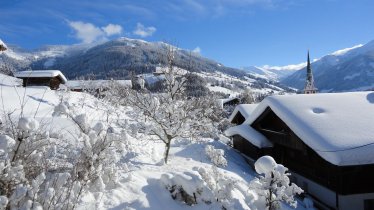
167,148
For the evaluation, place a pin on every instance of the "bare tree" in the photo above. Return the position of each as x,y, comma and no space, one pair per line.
168,119
170,115
247,97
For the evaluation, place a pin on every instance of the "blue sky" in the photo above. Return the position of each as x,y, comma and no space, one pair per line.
234,32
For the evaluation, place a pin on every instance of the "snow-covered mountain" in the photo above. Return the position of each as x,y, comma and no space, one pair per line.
274,73
113,58
348,69
116,58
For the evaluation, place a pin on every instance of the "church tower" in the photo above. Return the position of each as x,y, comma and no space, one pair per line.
309,85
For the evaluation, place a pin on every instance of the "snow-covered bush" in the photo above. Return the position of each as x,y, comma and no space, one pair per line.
28,166
217,156
220,185
273,183
101,147
208,186
41,168
188,188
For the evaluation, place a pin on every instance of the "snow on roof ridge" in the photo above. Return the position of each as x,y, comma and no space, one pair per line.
41,73
250,134
245,109
335,125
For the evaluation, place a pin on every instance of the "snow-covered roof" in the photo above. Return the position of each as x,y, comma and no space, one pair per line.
338,126
244,109
250,134
95,83
41,73
221,102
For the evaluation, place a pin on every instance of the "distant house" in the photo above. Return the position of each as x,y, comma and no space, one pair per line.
326,140
50,78
228,102
159,71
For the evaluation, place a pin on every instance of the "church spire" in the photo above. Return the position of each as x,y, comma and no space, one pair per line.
309,85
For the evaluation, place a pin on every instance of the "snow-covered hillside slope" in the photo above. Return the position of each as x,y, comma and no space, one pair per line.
349,69
234,86
141,179
114,59
271,72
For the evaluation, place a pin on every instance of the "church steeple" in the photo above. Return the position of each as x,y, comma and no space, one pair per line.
309,85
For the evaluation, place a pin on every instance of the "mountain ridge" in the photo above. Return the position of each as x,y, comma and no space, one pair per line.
349,69
105,59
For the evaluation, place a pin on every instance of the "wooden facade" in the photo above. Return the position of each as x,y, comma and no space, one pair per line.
52,82
288,149
238,118
232,102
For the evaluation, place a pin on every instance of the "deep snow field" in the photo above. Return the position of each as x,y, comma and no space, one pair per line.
139,184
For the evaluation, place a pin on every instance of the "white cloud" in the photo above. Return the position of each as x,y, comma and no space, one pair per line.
143,31
88,32
197,50
112,29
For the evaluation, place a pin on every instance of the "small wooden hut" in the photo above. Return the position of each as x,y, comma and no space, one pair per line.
50,78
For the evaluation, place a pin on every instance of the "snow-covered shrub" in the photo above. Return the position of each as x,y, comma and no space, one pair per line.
188,188
42,168
217,156
220,185
27,166
273,183
61,109
101,147
208,186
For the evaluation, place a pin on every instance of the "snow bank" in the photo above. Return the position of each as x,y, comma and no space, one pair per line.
9,81
338,126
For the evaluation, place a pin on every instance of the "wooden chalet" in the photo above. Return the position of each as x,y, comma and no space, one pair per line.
326,141
50,78
226,102
241,113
